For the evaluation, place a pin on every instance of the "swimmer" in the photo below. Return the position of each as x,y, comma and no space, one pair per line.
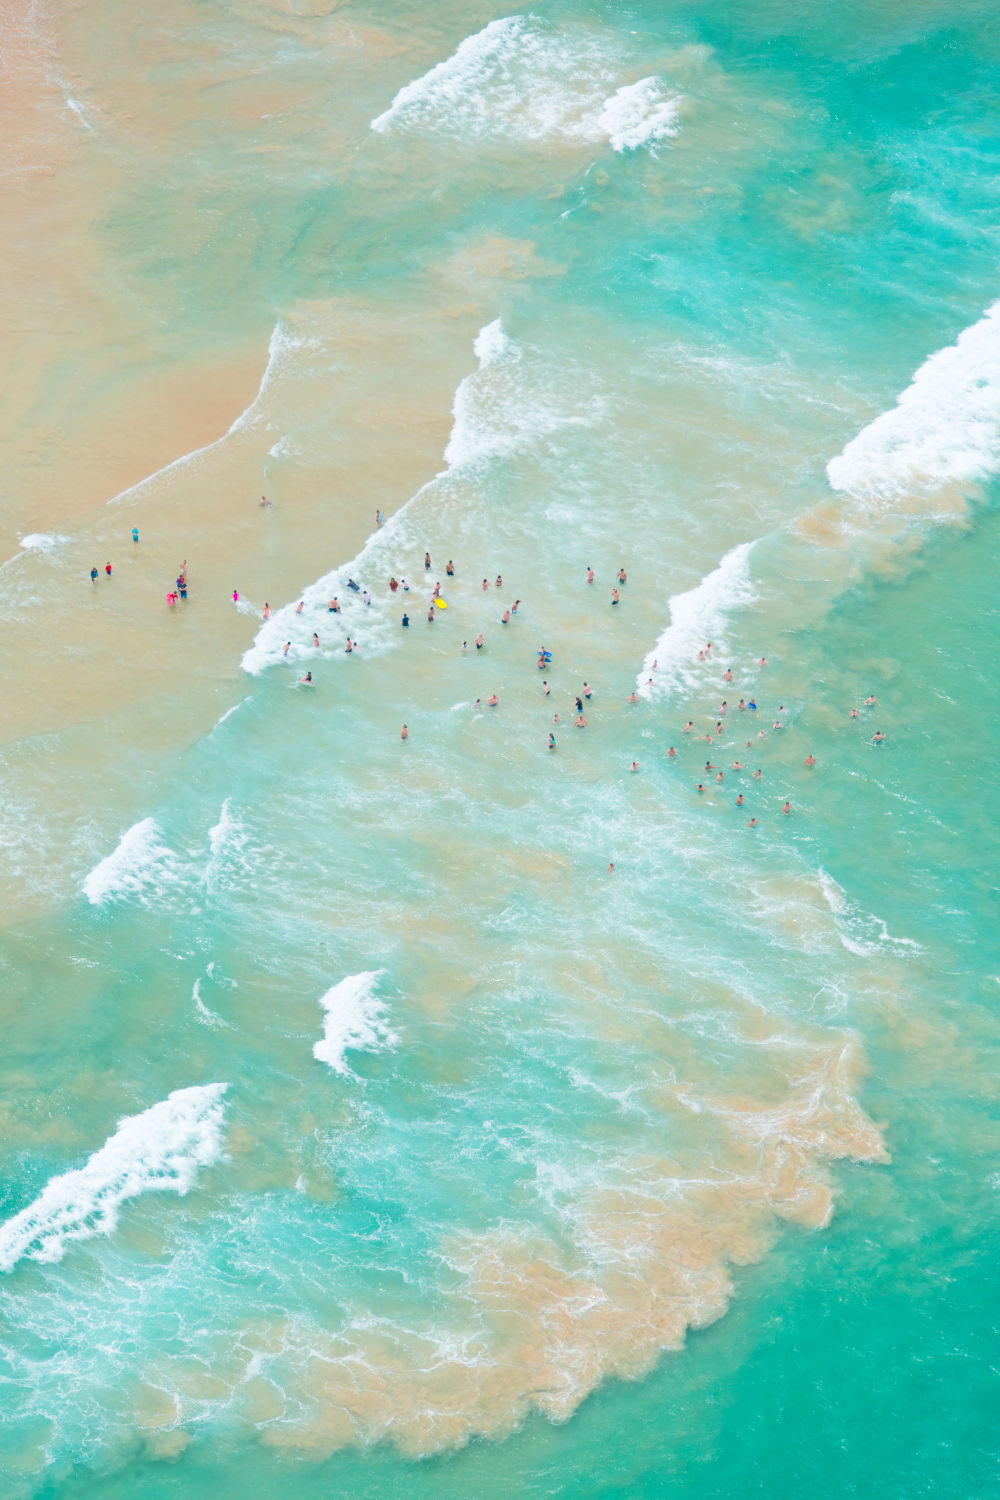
430,614
590,575
552,740
404,585
741,704
436,592
135,533
505,617
777,724
315,639
266,611
578,704
486,584
404,733
751,705
350,646
752,823
298,608
810,760
672,752
762,662
236,597
492,700
614,596
622,576
723,706
449,569
380,518
871,701
854,713
587,690
762,734
787,808
333,607
738,766
307,680
545,690
555,718
709,766
514,606
688,726
479,642
757,774
718,727
877,737
477,705
465,647
611,868
405,622
634,766
107,569
739,800
699,787
633,697
393,584
581,722
727,675
355,588
719,777
427,562
499,582
366,596
264,501
287,648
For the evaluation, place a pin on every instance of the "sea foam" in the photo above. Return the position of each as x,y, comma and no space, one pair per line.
524,80
141,864
696,617
355,1021
497,411
159,1150
944,428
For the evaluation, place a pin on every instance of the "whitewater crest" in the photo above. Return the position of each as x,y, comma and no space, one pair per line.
142,867
159,1150
524,80
699,615
283,346
944,429
355,1020
500,409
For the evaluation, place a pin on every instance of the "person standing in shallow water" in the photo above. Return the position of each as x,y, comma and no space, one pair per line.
93,575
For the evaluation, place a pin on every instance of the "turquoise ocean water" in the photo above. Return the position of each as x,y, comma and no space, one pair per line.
364,1132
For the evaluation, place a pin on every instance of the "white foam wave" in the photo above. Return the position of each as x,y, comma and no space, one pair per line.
943,430
639,114
159,1150
355,1020
228,842
523,79
141,863
496,413
282,345
43,541
696,617
861,932
205,1015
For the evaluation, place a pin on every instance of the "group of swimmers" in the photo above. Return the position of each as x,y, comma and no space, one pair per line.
747,705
